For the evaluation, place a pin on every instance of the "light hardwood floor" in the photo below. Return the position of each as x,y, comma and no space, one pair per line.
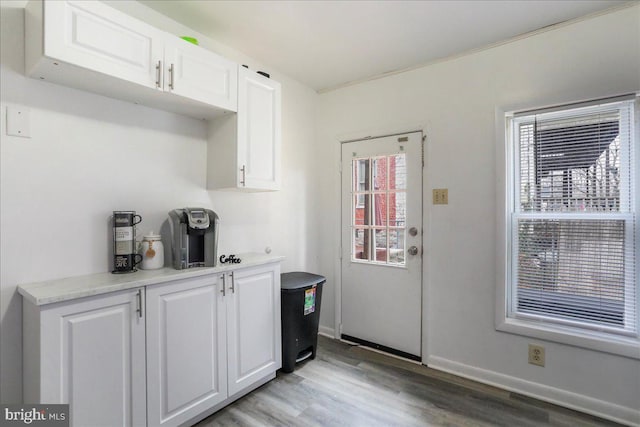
351,386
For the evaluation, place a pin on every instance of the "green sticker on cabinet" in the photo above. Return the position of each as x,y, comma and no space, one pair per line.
310,300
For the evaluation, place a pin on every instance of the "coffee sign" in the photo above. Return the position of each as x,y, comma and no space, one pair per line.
229,259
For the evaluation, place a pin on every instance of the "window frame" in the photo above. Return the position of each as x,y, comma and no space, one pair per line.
508,180
370,226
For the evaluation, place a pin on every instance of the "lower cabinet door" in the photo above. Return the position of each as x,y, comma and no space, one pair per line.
253,328
93,358
186,349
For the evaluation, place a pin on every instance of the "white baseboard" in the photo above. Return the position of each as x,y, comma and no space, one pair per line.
326,331
578,402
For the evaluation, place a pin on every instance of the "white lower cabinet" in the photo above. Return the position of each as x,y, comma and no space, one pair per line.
186,349
209,340
253,326
161,355
89,353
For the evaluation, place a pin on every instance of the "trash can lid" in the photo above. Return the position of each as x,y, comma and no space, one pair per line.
299,279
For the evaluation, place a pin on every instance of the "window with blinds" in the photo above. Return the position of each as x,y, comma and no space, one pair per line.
573,232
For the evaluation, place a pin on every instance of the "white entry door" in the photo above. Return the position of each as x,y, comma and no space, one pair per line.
382,243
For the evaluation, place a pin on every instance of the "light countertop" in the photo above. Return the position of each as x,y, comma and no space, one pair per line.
70,288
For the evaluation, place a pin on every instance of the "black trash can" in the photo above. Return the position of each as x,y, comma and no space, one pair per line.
301,294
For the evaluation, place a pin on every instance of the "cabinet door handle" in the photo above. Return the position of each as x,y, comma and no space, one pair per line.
224,292
139,303
233,283
171,70
244,176
158,68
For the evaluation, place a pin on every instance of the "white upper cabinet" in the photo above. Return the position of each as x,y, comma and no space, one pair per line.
91,46
97,37
244,149
198,74
258,131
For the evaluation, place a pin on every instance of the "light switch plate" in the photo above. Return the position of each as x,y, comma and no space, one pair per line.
18,122
440,196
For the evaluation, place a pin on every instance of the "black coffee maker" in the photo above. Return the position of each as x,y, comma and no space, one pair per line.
194,237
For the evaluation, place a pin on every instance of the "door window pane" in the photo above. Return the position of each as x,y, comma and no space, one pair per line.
361,244
380,173
361,209
397,172
398,209
379,212
381,245
396,246
361,175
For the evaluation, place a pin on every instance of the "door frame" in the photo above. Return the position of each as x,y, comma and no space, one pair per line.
426,215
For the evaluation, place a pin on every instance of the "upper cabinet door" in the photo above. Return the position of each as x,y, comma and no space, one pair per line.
92,35
259,139
200,74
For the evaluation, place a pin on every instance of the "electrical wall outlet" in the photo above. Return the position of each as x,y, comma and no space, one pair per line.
440,196
536,355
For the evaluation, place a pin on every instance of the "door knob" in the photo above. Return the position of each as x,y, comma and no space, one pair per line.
413,250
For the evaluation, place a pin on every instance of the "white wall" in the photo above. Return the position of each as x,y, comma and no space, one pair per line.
455,102
58,188
90,155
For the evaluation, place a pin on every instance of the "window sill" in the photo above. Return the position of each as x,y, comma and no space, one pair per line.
598,341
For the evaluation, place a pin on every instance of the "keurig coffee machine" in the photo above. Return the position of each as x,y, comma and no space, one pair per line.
195,237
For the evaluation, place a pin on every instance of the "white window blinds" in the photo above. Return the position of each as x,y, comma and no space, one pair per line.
573,218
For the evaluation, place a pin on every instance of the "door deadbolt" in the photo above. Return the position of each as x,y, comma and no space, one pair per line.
413,231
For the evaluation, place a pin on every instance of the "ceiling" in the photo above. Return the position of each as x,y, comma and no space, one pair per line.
327,44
